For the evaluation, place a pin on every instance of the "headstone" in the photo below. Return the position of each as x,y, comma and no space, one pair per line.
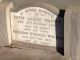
34,25
5,32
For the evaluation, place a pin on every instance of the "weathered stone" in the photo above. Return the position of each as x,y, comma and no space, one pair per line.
22,6
7,53
5,32
72,39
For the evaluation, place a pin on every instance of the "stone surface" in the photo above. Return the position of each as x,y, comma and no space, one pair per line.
60,4
7,53
67,33
5,34
19,31
34,25
72,33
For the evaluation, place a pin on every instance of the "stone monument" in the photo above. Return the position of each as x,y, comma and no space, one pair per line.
33,24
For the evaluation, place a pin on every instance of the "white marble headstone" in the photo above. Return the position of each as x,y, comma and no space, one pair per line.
34,25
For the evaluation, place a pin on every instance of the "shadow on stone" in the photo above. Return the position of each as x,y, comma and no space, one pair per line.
60,32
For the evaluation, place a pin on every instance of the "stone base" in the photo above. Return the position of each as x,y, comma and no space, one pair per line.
7,53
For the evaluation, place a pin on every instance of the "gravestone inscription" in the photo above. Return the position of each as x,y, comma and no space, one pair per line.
34,25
